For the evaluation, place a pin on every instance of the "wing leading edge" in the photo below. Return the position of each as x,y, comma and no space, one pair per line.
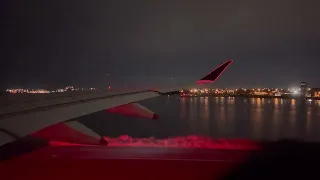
16,122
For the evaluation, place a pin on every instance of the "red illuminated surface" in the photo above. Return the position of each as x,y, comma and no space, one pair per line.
183,142
191,157
188,142
176,142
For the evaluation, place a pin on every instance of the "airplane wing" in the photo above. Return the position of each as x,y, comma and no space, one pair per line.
52,115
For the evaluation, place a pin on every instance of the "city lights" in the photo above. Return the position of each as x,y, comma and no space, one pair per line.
43,91
264,92
302,91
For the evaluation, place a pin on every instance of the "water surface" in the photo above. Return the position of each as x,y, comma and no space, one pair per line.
252,118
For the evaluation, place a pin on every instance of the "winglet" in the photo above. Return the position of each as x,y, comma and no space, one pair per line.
215,74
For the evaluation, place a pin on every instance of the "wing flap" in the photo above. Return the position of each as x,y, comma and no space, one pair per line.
133,110
71,131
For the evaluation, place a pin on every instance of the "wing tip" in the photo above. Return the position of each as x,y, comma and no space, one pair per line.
215,74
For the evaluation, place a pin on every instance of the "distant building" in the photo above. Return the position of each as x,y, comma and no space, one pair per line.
260,93
278,94
315,92
303,87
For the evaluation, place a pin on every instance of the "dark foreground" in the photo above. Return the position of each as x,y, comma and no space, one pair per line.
283,160
97,162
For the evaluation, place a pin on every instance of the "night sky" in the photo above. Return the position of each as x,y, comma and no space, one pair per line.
57,43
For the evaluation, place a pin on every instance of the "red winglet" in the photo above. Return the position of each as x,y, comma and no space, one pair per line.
215,74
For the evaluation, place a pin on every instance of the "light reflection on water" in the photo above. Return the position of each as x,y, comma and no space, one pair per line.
253,118
256,119
269,119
